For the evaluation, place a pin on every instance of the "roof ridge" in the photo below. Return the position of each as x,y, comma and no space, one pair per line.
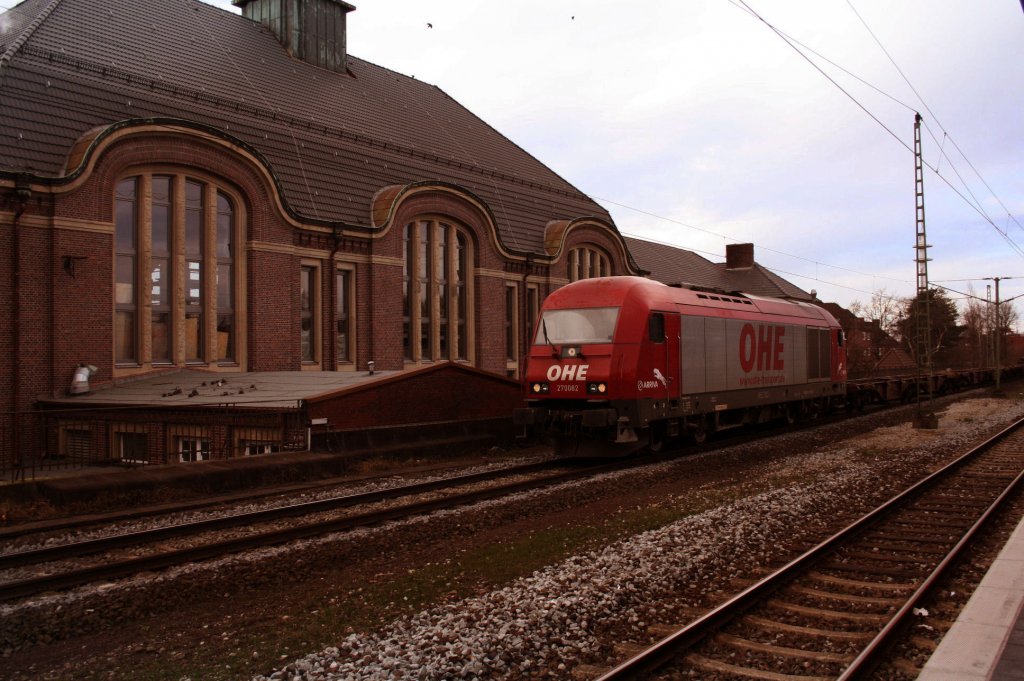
8,55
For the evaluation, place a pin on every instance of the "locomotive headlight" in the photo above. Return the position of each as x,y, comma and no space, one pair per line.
597,388
539,388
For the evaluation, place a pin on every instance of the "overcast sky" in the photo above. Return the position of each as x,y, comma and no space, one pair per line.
696,125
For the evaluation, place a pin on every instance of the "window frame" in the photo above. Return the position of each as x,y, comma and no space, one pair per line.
346,271
117,431
315,361
512,329
422,317
175,281
588,262
244,437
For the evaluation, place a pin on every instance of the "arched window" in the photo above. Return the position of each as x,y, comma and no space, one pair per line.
435,292
588,263
175,272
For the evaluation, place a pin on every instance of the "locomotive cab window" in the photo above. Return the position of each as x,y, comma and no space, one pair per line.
656,328
577,327
842,338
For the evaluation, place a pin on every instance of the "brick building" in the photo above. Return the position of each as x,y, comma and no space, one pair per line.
186,188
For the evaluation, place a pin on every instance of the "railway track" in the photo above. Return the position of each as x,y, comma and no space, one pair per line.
19,529
834,611
74,564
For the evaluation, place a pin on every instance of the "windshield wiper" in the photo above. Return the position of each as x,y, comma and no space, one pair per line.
547,340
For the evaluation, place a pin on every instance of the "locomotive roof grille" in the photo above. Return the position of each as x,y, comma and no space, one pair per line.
724,299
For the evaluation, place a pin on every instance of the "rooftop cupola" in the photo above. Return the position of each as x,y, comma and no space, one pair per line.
310,30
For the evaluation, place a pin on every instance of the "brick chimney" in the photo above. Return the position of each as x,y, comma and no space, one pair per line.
310,30
739,256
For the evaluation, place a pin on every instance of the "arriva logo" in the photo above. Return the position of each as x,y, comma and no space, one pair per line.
568,372
659,378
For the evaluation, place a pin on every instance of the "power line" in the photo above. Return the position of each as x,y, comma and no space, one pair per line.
1016,247
735,240
942,127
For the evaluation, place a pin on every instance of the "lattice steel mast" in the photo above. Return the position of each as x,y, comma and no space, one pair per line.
922,310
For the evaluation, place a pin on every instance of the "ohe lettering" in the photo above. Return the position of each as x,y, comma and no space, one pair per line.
568,372
761,348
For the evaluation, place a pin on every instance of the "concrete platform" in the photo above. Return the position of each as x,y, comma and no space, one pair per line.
987,640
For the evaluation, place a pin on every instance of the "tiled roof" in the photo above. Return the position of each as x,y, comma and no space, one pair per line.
331,139
672,265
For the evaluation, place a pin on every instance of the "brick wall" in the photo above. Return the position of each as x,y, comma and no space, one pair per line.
67,314
445,392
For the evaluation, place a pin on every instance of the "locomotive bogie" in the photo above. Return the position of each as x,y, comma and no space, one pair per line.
632,362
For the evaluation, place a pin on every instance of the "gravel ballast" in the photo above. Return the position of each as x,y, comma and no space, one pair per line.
543,625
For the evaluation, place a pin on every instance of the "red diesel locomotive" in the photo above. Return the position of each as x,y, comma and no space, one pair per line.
620,363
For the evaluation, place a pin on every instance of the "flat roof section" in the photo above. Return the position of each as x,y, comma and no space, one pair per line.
193,388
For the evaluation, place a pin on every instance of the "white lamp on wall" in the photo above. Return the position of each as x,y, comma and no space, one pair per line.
80,382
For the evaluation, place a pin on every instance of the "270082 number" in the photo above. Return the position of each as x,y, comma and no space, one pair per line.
567,388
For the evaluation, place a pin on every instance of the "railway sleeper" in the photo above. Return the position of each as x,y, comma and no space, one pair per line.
950,508
860,584
899,547
829,615
708,664
783,651
915,539
925,521
587,672
765,624
628,650
899,557
844,597
924,643
907,667
870,569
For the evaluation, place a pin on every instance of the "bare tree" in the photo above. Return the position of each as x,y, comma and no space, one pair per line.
980,326
885,308
978,321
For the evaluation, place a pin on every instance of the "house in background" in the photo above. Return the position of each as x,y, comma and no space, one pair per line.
739,272
870,351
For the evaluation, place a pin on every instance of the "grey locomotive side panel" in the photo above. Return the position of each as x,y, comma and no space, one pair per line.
716,348
799,356
693,353
733,354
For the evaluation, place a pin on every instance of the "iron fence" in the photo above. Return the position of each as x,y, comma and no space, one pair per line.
50,441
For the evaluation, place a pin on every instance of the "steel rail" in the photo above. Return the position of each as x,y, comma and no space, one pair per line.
89,546
669,648
869,657
31,527
72,578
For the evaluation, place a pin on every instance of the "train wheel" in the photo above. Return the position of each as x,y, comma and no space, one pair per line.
700,433
656,441
790,416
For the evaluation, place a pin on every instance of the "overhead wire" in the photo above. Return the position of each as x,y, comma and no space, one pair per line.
771,269
937,121
736,240
746,7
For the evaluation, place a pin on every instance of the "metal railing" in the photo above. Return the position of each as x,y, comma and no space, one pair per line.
47,442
